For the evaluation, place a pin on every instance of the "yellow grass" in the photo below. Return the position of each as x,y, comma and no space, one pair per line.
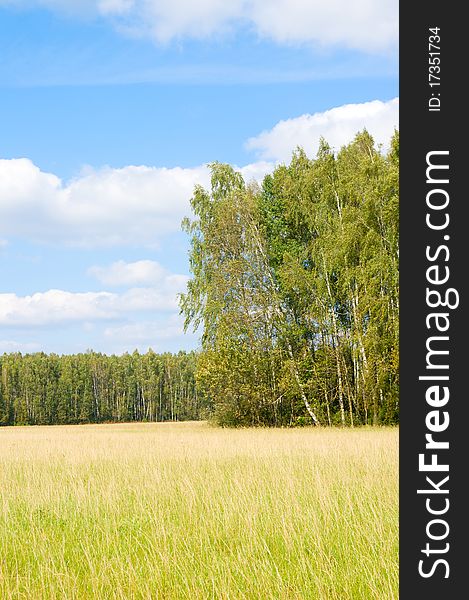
187,511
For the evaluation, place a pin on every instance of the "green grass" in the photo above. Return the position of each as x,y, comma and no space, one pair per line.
187,511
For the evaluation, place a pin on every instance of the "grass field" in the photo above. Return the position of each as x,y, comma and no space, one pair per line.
187,511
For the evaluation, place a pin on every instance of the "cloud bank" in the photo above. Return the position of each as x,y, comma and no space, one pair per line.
59,306
135,205
360,25
160,294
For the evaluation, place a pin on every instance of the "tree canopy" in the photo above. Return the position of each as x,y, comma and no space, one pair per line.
295,288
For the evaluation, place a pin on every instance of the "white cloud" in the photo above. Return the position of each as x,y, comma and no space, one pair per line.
256,171
337,125
59,306
163,21
362,24
3,243
54,306
106,207
123,273
149,299
133,205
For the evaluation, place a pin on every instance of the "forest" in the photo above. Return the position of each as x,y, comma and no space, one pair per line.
295,291
41,389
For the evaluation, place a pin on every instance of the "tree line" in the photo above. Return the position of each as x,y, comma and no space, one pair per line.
295,288
47,389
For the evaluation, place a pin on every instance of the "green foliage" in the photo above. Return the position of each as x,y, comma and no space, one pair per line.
40,389
295,285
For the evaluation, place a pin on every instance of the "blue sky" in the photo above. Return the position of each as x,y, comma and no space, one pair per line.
110,110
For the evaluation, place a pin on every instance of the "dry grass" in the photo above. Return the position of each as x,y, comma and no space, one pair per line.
186,511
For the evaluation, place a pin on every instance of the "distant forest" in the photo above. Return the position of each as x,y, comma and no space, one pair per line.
295,288
42,389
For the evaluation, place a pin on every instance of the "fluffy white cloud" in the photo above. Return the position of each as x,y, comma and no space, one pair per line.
148,272
148,299
105,207
54,306
337,125
164,21
361,24
256,171
59,306
132,205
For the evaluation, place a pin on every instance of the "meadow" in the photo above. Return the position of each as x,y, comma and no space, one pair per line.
189,511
